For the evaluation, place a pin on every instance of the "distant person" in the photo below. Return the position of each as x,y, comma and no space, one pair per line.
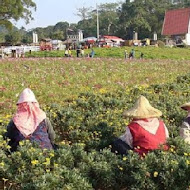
82,52
69,53
92,53
30,122
22,53
132,54
125,54
66,53
185,127
146,132
18,52
78,52
142,55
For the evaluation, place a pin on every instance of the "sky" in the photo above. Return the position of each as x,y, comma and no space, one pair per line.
50,12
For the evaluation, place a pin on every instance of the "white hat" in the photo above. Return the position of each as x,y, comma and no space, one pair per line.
27,96
142,110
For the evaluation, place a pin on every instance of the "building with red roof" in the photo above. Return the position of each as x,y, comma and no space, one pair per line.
177,25
111,40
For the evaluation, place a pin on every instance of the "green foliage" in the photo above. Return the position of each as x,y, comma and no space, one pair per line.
14,37
145,17
87,123
12,9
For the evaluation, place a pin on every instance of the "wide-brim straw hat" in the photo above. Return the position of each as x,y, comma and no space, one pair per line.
186,106
142,110
27,96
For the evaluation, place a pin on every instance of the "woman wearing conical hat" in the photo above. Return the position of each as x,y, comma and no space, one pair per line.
30,122
146,132
185,127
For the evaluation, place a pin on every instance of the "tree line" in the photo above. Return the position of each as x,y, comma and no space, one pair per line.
121,19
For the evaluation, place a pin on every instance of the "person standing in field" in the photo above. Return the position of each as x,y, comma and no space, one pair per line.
30,122
66,53
82,52
92,53
142,55
125,54
145,133
69,53
132,54
78,51
185,127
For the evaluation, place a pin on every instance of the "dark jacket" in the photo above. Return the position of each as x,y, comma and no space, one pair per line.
44,135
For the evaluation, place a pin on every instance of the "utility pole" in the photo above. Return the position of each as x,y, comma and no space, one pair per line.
97,22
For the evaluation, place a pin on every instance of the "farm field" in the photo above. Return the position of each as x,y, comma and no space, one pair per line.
84,99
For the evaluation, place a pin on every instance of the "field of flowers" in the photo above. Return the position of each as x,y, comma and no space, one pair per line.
85,99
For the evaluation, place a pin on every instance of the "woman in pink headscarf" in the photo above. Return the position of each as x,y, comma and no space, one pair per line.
30,122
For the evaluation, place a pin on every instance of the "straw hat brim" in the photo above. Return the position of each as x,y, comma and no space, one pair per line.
186,106
132,113
142,110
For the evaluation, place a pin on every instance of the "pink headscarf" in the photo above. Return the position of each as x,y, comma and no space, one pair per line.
28,117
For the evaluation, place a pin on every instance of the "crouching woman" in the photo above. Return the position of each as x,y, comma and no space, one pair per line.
185,127
30,122
145,133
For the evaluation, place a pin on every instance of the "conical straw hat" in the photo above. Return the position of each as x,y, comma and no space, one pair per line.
142,109
186,106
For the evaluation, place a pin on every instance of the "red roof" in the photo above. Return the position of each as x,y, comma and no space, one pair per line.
176,22
112,38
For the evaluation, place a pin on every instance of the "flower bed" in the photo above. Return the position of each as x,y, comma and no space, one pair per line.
86,125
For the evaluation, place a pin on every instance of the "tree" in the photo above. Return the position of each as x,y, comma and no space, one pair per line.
58,35
84,12
13,37
108,16
15,9
146,16
108,19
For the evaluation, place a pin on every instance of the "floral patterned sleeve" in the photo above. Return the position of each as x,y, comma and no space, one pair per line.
185,131
127,137
50,130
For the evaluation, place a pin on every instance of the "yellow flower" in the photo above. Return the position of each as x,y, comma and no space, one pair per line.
102,91
155,174
51,154
2,164
21,143
187,162
8,147
185,154
120,168
47,162
4,179
124,158
34,162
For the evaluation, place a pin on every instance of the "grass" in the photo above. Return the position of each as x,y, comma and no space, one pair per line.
149,53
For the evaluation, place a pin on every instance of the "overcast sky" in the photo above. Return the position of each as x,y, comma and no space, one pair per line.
49,12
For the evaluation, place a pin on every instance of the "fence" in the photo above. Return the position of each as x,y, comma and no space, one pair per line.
24,49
